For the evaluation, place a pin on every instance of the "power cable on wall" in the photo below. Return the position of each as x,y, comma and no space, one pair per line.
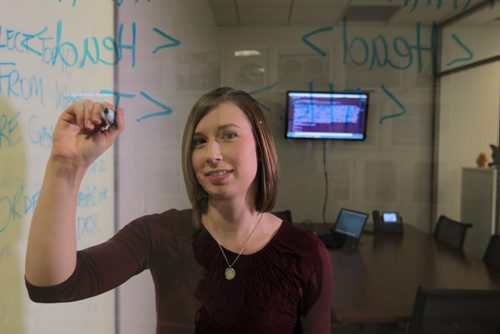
325,173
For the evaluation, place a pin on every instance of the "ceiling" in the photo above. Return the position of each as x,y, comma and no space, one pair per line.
316,13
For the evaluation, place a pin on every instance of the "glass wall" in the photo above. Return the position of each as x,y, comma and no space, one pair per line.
467,122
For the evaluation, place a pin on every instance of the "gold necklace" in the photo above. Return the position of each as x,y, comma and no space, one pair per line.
229,272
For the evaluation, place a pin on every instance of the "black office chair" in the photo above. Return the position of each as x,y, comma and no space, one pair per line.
286,215
492,254
449,311
451,231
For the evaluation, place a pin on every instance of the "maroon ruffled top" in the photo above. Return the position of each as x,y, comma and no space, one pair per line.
279,289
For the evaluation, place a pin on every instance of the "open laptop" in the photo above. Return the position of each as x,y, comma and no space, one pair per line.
347,229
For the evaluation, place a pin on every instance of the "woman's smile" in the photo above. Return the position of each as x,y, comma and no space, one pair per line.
218,176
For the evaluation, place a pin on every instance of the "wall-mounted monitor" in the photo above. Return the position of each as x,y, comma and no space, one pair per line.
326,115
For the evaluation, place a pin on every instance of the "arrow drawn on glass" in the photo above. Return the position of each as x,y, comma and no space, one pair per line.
305,39
469,56
174,42
396,101
164,112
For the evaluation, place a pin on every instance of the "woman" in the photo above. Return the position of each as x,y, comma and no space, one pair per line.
226,266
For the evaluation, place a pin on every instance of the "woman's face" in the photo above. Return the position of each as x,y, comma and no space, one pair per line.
224,155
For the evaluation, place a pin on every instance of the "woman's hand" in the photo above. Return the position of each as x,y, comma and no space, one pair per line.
78,136
78,140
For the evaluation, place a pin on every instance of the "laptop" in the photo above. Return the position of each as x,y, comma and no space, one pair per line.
347,230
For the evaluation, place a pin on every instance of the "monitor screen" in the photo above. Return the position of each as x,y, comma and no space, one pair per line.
326,115
390,217
351,223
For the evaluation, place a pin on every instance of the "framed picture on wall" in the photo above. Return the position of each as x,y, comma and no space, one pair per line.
250,68
364,77
303,70
198,71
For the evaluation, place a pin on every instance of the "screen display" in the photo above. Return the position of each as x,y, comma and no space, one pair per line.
326,115
390,217
350,223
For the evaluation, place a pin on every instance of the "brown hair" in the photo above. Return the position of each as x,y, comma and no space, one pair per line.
267,169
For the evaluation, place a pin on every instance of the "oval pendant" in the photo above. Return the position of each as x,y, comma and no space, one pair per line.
230,273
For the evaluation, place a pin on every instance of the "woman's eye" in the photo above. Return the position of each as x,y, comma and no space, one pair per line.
230,135
198,141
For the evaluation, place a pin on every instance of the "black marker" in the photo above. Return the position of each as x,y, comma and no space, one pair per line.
108,116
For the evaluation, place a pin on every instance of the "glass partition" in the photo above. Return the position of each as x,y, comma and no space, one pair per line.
467,121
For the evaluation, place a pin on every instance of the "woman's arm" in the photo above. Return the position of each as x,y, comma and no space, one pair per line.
77,143
318,318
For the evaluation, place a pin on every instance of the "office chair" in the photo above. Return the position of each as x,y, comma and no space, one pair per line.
492,254
451,231
286,215
450,311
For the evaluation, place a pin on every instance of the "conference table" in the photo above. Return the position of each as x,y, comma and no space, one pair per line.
377,283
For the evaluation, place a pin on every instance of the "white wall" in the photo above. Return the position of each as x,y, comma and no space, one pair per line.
468,124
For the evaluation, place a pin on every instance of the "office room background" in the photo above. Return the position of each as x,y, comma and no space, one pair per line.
434,85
